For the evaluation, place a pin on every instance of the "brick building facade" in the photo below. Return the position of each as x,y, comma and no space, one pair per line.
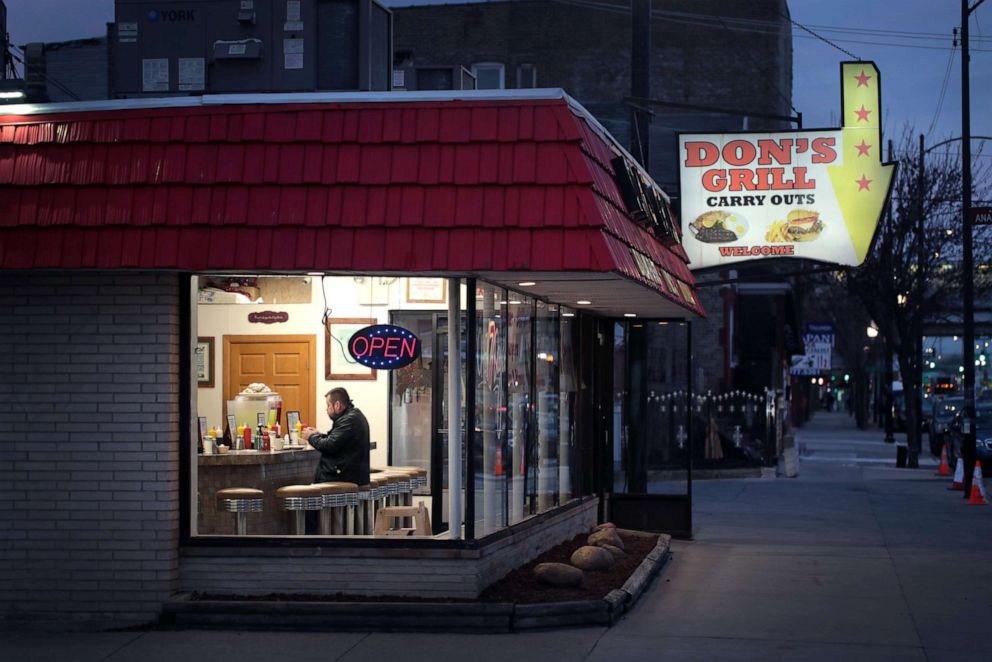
728,55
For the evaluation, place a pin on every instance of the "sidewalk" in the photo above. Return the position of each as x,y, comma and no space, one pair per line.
852,560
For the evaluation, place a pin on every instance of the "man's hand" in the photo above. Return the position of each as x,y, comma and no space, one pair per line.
306,432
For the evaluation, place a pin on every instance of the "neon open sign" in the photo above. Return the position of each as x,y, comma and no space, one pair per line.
384,347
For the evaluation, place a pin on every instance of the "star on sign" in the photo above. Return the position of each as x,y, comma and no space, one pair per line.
862,114
862,79
863,183
863,148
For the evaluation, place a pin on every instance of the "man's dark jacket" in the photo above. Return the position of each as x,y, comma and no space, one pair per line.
344,451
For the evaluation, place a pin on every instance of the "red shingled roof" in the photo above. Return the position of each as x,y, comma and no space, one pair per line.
425,186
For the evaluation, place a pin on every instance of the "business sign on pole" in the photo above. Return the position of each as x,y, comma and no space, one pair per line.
818,341
816,194
981,215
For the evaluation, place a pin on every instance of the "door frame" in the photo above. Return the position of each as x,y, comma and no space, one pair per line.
309,339
667,513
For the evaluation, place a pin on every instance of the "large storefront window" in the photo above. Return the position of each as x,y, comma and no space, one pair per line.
546,367
519,363
268,349
490,402
568,380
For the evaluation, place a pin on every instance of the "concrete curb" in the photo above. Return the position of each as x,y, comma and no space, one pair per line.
184,613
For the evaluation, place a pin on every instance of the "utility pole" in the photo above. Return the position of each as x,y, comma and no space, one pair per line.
916,440
640,80
887,375
969,450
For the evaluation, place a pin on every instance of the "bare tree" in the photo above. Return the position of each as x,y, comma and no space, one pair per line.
887,283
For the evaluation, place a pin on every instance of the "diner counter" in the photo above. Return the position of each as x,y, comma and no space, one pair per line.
240,458
263,470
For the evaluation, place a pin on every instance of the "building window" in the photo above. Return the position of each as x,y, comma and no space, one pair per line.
489,75
526,76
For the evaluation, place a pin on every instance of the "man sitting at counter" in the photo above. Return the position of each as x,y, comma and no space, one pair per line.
344,451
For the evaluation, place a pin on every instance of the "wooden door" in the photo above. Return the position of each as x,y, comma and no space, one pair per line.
284,363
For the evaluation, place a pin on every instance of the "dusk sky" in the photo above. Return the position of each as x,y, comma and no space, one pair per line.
910,40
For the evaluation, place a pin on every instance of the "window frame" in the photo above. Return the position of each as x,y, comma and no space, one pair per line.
490,65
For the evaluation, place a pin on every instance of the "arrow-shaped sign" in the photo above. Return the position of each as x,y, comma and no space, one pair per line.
816,193
861,184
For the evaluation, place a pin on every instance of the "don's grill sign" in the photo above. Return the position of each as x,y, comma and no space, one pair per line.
384,347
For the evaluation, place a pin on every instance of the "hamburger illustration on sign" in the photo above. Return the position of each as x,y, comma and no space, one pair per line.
815,194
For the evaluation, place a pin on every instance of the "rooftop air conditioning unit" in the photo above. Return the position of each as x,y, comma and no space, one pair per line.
433,78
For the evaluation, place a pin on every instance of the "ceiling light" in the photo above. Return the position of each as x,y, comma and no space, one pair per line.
514,303
527,283
630,314
568,314
583,302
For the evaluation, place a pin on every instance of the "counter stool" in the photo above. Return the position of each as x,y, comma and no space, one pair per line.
418,475
362,526
418,478
400,486
240,501
378,490
401,489
298,499
338,514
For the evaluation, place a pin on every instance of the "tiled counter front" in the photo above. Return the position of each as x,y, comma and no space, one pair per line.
266,471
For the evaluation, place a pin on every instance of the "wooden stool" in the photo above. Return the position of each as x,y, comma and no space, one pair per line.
384,520
240,501
338,514
299,499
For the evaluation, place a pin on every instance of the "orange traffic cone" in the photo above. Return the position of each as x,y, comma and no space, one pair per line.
977,496
958,481
943,469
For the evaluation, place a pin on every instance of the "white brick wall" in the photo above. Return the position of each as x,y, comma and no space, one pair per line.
89,430
437,573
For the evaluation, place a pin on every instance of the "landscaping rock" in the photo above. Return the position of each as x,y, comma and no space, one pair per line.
612,549
558,574
608,536
592,558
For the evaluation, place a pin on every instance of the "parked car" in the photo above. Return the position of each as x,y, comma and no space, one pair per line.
941,416
983,431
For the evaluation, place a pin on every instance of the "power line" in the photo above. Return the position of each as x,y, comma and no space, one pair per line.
823,39
943,91
770,28
758,67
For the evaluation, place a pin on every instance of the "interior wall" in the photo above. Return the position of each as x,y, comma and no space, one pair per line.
371,297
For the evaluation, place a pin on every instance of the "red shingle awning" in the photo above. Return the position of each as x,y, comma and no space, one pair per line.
369,183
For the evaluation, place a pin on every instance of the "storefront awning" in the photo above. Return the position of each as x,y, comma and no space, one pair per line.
503,186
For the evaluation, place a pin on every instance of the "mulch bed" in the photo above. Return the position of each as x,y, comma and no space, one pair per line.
519,586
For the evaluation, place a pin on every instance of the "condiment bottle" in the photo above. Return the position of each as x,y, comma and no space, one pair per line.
247,435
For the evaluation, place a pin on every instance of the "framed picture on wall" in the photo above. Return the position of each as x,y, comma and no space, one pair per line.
338,364
426,290
204,356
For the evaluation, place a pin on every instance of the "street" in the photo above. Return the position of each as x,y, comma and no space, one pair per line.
853,560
